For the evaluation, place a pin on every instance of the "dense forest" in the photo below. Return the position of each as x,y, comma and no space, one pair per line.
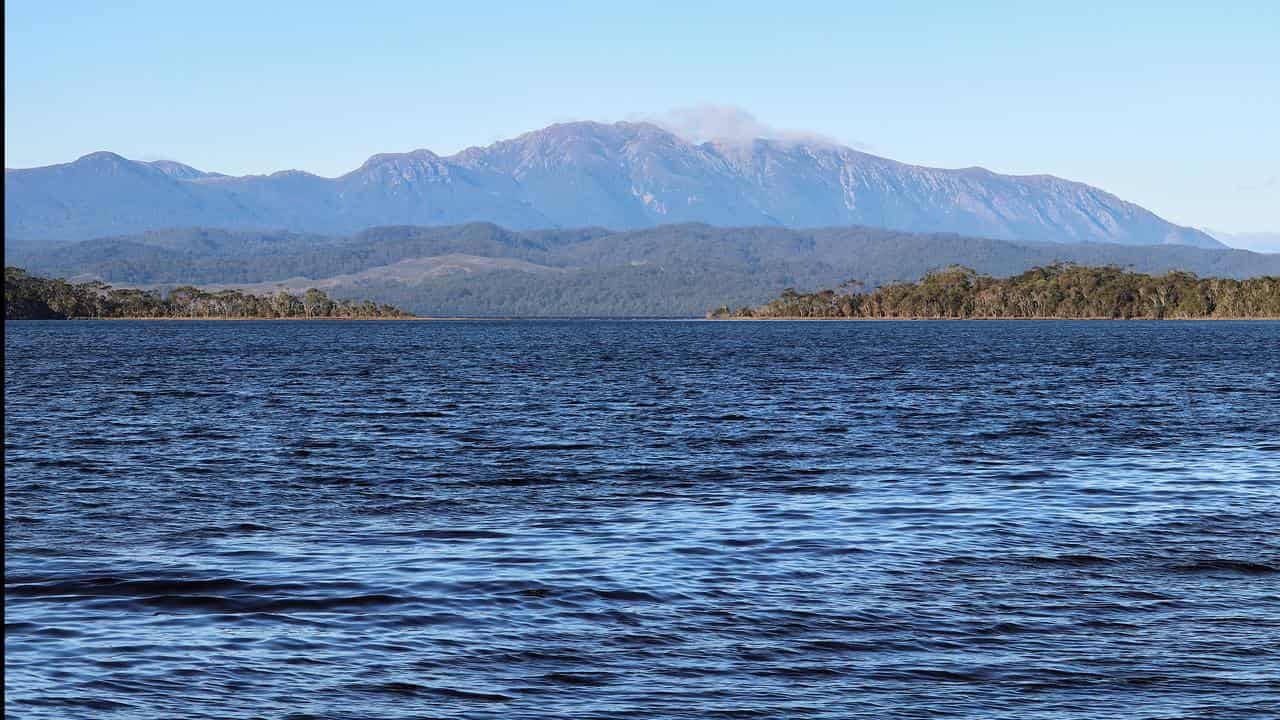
28,297
1061,290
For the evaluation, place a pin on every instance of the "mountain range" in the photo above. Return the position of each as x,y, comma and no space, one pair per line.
622,176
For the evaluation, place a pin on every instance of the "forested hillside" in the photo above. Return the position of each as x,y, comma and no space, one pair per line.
28,297
671,270
1060,291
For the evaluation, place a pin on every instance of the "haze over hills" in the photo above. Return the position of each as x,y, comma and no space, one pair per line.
1265,242
670,270
620,176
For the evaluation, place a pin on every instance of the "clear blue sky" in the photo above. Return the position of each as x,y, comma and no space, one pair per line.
1174,106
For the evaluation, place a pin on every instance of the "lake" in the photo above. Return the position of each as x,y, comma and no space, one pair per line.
635,519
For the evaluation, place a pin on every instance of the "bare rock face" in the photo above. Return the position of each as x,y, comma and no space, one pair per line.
621,176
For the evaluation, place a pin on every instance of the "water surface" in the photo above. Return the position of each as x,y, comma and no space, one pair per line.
642,519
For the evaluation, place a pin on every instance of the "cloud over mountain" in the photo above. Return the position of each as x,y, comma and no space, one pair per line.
728,124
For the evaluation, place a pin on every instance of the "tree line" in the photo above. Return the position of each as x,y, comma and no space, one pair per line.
1060,290
29,297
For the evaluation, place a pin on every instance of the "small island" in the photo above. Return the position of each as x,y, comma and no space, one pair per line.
29,297
1060,291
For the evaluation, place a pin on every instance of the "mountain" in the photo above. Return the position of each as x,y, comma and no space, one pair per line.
670,270
179,171
621,176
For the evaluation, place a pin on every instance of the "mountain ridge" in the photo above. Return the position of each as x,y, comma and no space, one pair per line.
622,176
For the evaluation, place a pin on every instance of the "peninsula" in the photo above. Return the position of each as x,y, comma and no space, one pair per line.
29,297
1057,291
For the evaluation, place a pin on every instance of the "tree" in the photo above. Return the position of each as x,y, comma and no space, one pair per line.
316,304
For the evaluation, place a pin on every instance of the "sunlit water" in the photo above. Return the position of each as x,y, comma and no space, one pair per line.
642,519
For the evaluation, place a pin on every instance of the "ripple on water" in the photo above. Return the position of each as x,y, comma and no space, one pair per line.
642,519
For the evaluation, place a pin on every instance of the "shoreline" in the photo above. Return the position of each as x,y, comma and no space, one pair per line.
983,319
249,319
463,318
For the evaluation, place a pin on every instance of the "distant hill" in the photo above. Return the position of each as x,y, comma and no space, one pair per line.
621,176
670,270
1267,242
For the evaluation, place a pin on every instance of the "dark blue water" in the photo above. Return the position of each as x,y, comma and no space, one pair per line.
642,520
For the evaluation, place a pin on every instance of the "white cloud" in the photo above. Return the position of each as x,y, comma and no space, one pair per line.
728,124
1265,184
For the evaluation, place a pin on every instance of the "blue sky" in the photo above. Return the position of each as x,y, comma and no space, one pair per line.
1173,106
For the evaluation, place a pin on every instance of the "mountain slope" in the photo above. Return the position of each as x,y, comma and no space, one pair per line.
622,176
